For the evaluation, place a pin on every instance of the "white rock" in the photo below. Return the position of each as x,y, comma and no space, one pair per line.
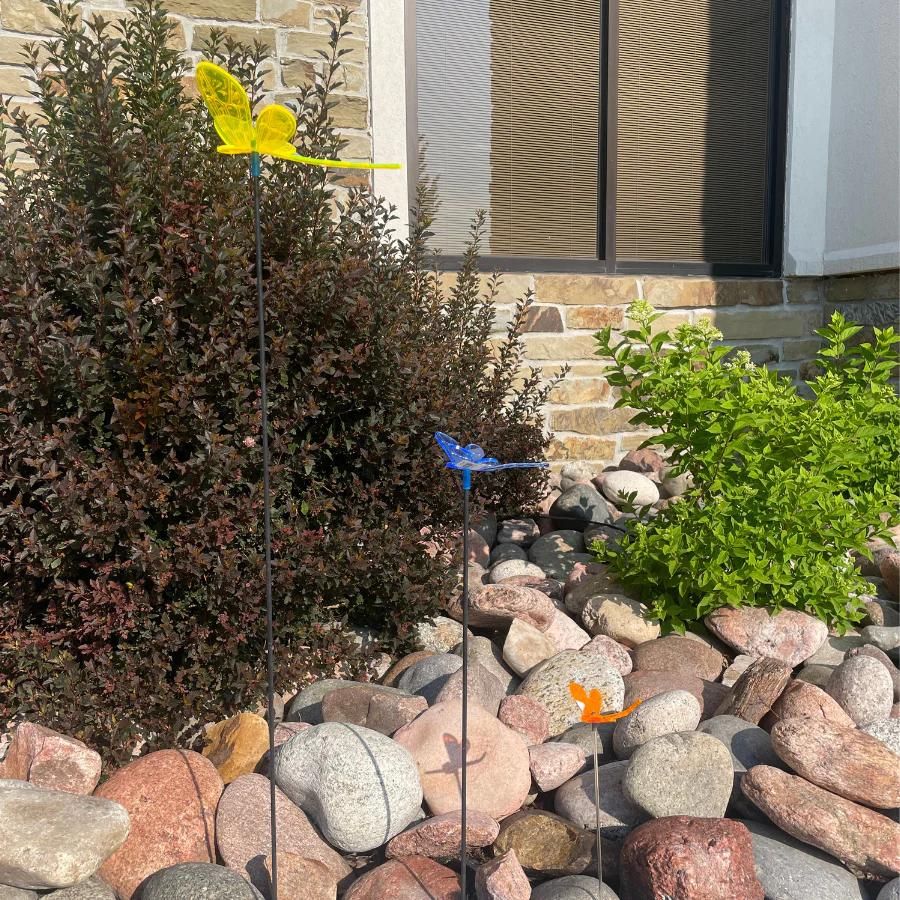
618,485
525,647
566,634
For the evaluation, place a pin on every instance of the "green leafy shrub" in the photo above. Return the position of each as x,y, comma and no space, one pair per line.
785,487
130,523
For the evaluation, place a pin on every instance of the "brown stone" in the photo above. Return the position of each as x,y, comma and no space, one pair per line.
295,13
497,760
670,292
13,82
247,34
543,318
527,716
686,858
372,706
297,73
410,878
756,690
389,712
496,605
874,286
350,112
243,831
592,420
549,586
236,745
300,879
644,685
571,391
674,653
484,688
554,764
865,841
312,45
617,654
586,290
545,843
581,448
802,700
439,836
30,16
595,317
646,461
51,760
502,878
843,760
789,636
392,676
563,347
804,290
171,798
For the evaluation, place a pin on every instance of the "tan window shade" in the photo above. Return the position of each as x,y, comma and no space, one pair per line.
693,130
508,106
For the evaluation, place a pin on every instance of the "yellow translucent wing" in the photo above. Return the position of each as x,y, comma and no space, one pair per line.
229,105
275,126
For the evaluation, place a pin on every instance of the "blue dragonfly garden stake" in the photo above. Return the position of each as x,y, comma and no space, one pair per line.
467,460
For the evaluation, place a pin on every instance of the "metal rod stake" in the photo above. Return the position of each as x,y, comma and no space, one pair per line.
464,735
597,810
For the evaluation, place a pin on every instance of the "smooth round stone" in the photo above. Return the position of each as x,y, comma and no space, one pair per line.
863,688
484,688
549,586
525,647
92,889
545,843
199,881
885,637
439,837
575,472
502,877
887,731
644,460
816,675
790,870
674,653
885,660
496,605
523,532
410,878
684,774
581,505
566,634
788,636
835,649
13,893
554,763
392,676
440,635
54,839
527,717
427,677
486,526
616,653
359,786
307,705
581,734
549,684
802,700
619,485
663,714
644,685
557,552
618,814
498,775
506,552
891,891
51,760
486,653
748,744
573,887
587,580
236,745
619,617
374,706
512,568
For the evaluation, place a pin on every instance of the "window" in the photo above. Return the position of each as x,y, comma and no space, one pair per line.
603,134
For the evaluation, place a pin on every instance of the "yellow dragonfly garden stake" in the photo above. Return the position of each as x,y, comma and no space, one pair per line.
269,135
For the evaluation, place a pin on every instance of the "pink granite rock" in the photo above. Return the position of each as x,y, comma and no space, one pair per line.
300,878
788,636
802,700
565,633
674,653
372,706
527,716
410,878
549,586
439,836
48,759
502,878
484,687
555,763
617,654
171,798
498,773
496,605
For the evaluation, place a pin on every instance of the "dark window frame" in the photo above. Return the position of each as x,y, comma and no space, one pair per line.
606,262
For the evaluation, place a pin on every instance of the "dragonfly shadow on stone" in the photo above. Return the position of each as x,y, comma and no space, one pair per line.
453,766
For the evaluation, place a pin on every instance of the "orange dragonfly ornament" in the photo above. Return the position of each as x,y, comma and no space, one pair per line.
591,705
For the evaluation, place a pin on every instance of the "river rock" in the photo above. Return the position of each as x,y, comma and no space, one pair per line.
575,472
236,745
618,814
674,653
646,461
498,771
359,786
842,760
549,684
644,685
486,653
486,526
393,674
554,763
581,505
884,659
863,688
545,843
864,840
683,774
891,891
523,532
51,760
791,870
549,586
573,887
884,637
686,858
816,675
527,716
92,889
496,605
440,635
243,832
788,636
663,714
299,877
801,700
525,647
197,880
581,734
503,552
502,878
887,731
755,692
307,705
566,634
373,706
738,666
484,688
835,649
410,878
558,552
513,568
54,839
619,617
479,549
588,580
616,654
427,677
13,893
171,797
617,486
439,837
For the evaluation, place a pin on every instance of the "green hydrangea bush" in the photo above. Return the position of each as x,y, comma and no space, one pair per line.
130,488
786,487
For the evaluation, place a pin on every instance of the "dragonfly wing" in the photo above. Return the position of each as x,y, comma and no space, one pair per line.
275,126
518,465
228,104
451,447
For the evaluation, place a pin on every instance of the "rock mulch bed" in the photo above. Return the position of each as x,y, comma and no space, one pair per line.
761,763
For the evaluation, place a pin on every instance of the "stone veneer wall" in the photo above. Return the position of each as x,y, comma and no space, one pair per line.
294,31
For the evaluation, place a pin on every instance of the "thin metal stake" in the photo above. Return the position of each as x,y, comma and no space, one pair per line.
267,513
467,486
597,809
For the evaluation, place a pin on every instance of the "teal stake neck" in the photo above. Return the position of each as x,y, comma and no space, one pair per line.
255,166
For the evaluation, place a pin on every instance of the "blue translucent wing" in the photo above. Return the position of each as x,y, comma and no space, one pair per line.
472,457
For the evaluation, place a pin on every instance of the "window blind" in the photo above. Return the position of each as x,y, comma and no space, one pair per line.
693,137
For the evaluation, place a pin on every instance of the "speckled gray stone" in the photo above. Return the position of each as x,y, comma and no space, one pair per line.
748,744
511,568
484,651
441,635
683,774
791,870
835,649
505,552
428,676
581,505
573,887
864,689
52,839
884,637
359,787
484,687
199,881
816,674
518,531
13,893
557,552
891,891
887,731
549,684
663,714
92,889
574,800
307,705
582,735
